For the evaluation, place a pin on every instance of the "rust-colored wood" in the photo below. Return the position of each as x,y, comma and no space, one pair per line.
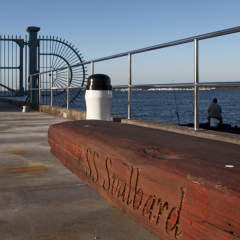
174,185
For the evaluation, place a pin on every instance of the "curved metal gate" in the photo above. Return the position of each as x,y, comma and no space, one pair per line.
41,54
54,53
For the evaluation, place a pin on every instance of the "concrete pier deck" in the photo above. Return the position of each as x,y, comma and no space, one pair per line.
39,198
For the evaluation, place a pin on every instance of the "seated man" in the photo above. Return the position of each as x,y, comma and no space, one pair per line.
214,111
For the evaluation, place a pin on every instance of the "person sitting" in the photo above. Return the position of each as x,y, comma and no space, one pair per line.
215,111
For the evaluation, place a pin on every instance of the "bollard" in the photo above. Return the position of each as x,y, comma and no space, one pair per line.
25,109
98,97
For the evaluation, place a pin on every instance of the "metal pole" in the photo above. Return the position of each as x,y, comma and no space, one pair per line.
26,74
39,94
1,63
51,88
196,89
8,62
68,90
12,61
92,67
31,89
21,91
4,71
33,58
129,84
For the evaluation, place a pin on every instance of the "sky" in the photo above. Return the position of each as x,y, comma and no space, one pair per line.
100,28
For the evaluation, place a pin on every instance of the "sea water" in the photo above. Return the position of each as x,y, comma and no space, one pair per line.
173,106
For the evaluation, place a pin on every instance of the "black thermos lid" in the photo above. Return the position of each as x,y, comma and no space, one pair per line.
99,82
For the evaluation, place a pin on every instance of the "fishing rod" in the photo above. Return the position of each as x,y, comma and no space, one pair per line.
176,112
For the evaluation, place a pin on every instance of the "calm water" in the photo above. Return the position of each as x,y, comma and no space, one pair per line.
160,106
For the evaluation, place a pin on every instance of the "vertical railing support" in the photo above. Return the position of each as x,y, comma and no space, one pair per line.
196,89
30,86
21,89
92,68
33,59
129,84
68,85
51,88
26,69
39,89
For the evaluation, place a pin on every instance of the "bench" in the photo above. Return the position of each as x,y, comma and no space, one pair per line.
174,185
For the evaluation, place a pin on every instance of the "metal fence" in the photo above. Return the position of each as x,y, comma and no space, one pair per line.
54,53
196,84
11,66
41,54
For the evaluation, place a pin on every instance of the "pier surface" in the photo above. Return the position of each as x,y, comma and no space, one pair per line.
40,199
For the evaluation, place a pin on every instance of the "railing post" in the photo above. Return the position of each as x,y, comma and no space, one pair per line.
129,84
196,89
26,68
92,68
31,89
39,87
21,90
68,85
51,88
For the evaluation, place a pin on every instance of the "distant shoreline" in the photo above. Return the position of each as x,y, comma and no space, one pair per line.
179,89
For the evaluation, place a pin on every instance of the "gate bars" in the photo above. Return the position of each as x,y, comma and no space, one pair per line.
55,53
41,54
11,66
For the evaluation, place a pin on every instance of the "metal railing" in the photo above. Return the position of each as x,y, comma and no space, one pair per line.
196,85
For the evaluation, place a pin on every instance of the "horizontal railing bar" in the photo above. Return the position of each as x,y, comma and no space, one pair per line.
178,42
182,85
220,84
9,67
11,39
77,88
71,88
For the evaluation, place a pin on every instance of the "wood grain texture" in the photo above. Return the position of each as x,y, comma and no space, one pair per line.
174,185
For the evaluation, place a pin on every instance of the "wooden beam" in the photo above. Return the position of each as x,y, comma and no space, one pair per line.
176,186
